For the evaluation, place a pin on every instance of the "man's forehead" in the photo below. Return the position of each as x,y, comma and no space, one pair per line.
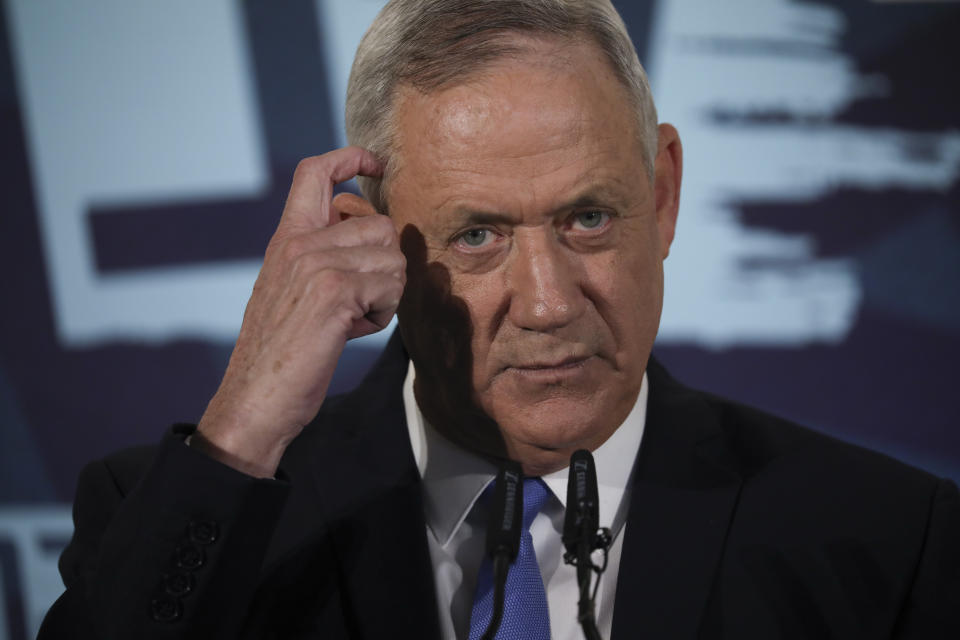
527,129
466,111
490,119
516,106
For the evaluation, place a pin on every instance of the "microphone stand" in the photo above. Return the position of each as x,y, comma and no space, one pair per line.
585,569
582,536
503,535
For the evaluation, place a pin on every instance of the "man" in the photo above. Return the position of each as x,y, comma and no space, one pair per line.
521,199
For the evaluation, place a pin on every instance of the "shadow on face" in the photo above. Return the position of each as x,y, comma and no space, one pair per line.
437,332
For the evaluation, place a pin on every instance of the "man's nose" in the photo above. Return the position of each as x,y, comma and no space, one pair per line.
544,282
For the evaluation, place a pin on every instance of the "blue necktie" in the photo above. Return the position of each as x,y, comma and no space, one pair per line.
525,613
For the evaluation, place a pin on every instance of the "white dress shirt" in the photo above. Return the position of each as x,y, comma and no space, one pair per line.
454,478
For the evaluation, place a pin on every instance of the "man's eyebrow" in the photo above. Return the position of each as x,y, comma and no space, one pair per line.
473,216
594,196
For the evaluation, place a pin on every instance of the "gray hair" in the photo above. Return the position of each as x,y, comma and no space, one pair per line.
432,44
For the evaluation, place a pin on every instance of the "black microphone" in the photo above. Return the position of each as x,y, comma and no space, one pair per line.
506,512
582,518
503,534
582,535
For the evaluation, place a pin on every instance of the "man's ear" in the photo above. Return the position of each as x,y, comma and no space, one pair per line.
668,171
350,205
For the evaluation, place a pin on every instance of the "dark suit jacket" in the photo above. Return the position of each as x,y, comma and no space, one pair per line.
741,525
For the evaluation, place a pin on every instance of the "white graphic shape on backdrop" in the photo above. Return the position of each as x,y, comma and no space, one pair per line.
142,102
780,57
136,101
341,24
131,101
33,535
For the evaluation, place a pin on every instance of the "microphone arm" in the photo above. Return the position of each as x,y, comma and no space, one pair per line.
582,536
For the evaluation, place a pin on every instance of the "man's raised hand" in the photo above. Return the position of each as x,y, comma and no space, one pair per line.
332,271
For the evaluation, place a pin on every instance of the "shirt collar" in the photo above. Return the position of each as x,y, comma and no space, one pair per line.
454,478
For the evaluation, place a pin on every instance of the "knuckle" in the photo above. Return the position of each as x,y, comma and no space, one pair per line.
309,164
330,281
384,224
379,225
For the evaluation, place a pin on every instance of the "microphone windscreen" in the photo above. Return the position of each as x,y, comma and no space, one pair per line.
506,511
583,503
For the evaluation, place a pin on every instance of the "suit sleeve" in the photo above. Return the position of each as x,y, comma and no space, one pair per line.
932,610
179,556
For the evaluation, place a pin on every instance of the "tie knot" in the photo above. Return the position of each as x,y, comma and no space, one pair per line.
535,494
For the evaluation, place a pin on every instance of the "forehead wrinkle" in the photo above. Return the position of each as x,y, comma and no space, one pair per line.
487,132
530,167
550,56
462,120
473,113
528,164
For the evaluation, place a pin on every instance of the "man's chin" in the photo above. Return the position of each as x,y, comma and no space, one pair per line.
548,447
579,411
560,424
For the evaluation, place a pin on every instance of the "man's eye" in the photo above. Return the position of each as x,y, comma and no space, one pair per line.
476,237
591,219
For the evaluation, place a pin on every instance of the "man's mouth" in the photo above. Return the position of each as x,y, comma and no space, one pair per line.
565,363
550,371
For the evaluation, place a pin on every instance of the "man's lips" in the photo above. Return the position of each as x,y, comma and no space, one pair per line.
565,363
550,371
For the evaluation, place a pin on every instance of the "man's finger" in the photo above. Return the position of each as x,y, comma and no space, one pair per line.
358,260
308,203
381,295
356,300
349,205
369,231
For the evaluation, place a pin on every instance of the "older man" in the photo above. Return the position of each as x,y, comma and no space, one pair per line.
521,201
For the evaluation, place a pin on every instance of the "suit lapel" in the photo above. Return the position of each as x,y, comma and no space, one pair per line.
369,497
683,496
372,502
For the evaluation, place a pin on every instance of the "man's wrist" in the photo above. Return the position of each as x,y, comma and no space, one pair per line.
254,460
